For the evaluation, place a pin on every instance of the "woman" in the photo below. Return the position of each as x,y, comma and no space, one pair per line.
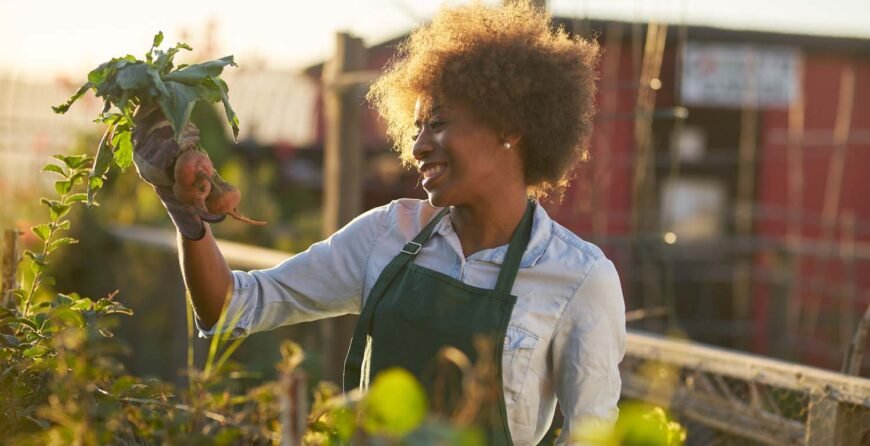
492,108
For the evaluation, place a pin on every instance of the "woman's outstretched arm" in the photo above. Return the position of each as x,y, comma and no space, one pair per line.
207,276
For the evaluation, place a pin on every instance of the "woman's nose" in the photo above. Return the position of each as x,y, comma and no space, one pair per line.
422,145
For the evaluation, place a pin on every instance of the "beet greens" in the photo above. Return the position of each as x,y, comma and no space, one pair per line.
127,83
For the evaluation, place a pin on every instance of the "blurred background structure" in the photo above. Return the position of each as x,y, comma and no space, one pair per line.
725,178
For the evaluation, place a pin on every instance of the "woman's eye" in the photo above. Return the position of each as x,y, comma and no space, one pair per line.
434,125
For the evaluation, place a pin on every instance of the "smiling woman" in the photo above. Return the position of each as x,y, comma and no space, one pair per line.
492,107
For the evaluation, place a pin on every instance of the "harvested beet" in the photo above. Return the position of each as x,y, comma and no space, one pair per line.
191,166
194,194
224,198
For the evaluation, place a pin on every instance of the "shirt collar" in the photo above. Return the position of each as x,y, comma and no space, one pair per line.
542,231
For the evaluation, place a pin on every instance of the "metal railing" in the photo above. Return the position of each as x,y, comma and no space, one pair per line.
729,397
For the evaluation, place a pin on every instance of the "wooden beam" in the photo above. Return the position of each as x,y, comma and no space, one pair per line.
237,255
748,367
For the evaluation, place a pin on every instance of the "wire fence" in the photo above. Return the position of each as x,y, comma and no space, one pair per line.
725,397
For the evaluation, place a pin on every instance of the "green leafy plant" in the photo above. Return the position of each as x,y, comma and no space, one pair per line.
61,383
127,83
639,424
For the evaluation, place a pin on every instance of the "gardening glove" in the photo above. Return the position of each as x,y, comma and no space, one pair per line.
154,154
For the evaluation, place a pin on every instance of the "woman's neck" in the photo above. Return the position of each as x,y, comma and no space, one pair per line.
487,224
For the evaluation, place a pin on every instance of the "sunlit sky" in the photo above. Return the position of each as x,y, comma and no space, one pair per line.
43,39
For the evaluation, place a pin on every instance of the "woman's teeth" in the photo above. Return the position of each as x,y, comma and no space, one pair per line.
432,171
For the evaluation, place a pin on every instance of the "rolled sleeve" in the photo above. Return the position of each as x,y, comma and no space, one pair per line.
324,281
588,346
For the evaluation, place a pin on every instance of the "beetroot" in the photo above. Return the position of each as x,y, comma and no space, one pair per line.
224,199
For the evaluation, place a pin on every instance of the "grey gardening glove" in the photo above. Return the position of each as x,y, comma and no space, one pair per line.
154,154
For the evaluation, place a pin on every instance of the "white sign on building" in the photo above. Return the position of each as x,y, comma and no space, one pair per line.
735,75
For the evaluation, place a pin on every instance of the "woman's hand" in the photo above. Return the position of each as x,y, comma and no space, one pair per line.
154,154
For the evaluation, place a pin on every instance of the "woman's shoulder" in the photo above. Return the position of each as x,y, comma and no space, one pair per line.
405,215
567,246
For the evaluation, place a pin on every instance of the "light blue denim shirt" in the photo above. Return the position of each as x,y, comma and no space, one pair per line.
566,335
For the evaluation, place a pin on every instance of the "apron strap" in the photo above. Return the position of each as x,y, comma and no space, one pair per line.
353,363
408,252
519,242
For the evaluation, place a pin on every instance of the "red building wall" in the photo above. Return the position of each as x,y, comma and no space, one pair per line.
833,292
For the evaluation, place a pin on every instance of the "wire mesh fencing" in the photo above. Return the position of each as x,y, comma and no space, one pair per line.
724,397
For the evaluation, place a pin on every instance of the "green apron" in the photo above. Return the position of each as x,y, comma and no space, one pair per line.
412,312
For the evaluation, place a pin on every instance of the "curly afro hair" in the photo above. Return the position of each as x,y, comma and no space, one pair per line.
515,72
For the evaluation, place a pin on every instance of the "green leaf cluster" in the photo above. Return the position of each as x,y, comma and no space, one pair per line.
126,83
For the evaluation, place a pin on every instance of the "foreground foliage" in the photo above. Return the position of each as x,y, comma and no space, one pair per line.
61,382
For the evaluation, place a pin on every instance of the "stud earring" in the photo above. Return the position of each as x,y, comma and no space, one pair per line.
507,146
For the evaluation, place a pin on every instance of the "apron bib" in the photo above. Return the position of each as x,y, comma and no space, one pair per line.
413,312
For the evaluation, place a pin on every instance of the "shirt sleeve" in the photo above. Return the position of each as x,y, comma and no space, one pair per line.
325,280
588,346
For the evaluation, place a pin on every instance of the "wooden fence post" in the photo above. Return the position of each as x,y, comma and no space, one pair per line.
834,423
294,408
10,259
343,168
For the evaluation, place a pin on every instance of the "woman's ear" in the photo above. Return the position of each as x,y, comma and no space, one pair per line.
511,138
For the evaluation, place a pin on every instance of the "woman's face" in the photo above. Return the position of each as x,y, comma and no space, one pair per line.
462,161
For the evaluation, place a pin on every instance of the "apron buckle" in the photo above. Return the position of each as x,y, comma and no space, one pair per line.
412,248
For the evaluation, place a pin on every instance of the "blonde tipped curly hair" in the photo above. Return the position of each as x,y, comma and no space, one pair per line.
516,73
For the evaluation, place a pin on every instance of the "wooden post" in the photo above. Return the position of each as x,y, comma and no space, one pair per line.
10,259
294,408
831,203
834,423
343,158
795,173
855,352
343,172
742,284
643,185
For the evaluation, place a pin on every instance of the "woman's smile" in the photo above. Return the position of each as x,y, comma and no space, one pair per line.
431,172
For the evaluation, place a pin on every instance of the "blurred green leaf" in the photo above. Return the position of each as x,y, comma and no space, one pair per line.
42,231
82,304
123,143
73,161
102,162
133,76
196,73
56,208
62,187
178,104
54,168
36,258
36,351
26,321
231,115
158,39
77,198
395,404
63,108
61,242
